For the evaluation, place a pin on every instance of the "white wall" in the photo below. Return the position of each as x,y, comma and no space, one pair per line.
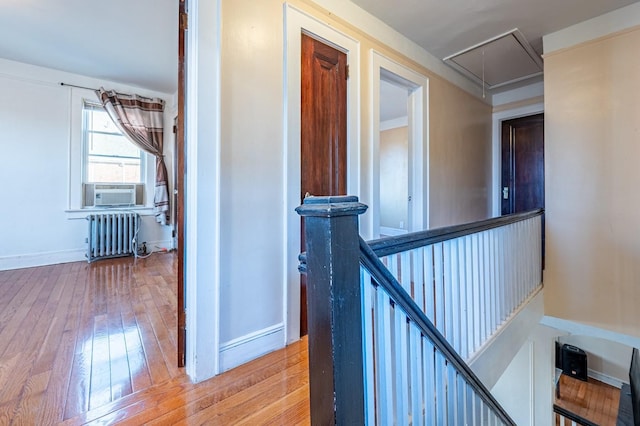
251,176
36,227
517,365
526,387
490,361
514,389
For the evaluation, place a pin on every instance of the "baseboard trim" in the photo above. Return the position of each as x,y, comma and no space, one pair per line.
604,378
153,246
41,259
251,346
32,260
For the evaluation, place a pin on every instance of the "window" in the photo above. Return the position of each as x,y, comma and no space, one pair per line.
89,155
109,157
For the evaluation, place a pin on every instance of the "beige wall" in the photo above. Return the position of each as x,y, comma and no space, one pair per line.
253,158
251,167
460,157
459,152
394,155
592,163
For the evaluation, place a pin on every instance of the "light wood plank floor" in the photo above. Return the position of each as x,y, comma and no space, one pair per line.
592,400
96,344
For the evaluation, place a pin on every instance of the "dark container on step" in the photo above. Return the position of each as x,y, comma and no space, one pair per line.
574,362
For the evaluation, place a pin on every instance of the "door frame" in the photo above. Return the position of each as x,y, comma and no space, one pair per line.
498,118
296,22
202,190
177,205
418,123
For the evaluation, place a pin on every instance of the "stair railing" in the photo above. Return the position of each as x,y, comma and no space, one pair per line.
374,355
469,279
564,417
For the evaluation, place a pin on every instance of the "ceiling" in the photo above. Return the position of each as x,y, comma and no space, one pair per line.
100,39
444,28
393,101
132,42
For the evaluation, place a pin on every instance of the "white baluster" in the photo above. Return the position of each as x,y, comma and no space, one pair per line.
405,271
455,337
401,368
449,290
384,345
430,389
416,374
441,390
429,290
368,309
439,288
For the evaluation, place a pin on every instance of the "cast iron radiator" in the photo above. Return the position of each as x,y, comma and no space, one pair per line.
111,235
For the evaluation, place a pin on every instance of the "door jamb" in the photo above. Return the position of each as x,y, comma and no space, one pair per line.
202,190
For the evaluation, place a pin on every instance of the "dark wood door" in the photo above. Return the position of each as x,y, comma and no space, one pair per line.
323,130
523,164
179,182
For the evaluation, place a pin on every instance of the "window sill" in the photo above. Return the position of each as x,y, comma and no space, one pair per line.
83,213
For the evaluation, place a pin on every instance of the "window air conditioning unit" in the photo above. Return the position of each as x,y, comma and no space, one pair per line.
113,195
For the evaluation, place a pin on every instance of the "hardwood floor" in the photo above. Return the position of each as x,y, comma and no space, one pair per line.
96,344
592,400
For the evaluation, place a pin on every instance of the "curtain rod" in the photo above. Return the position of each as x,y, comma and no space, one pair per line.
95,90
78,87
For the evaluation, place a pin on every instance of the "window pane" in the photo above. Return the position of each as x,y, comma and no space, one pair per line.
113,170
109,156
111,145
100,121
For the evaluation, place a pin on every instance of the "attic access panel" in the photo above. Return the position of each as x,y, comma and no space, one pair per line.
502,60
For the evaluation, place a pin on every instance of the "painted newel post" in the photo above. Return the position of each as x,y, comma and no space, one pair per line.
336,371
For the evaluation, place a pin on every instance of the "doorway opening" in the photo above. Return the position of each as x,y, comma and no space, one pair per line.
400,162
394,158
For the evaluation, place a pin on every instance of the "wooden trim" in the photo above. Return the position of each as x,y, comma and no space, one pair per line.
179,184
250,346
334,299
